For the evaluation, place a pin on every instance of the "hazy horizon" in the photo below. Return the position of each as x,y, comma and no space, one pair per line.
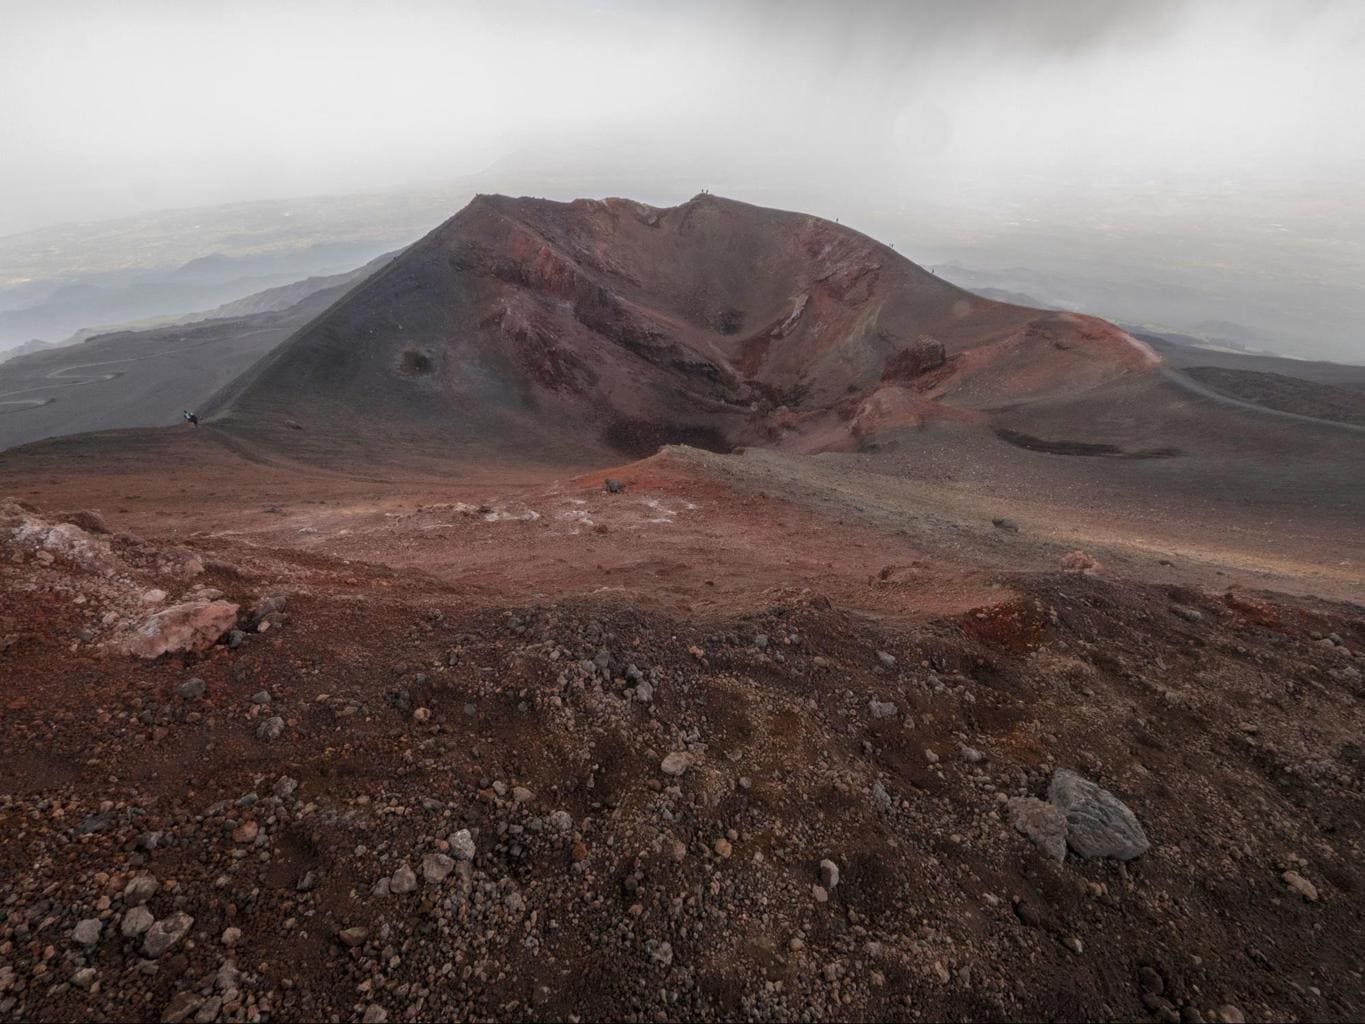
1218,148
140,106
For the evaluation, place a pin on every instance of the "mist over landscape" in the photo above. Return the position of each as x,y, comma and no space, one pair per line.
666,511
1173,164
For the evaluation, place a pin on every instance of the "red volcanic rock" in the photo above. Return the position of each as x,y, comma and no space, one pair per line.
919,358
50,541
192,626
1079,561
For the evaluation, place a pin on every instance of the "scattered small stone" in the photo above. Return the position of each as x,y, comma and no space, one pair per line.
613,486
403,880
1042,822
136,921
887,660
271,729
1008,525
829,875
228,977
723,848
353,936
180,1007
676,763
1301,885
260,697
435,867
881,797
140,889
462,844
84,979
93,824
166,933
375,1014
882,709
231,936
192,689
87,932
561,821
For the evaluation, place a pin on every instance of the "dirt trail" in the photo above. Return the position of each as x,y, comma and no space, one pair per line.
1193,386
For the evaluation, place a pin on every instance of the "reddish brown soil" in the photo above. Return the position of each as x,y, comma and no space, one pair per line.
1234,738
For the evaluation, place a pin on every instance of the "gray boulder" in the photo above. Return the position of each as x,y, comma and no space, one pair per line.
1098,824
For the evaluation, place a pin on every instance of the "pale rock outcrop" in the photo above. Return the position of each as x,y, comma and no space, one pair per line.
191,626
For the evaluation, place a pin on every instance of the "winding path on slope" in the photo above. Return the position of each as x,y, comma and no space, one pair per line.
62,372
1195,387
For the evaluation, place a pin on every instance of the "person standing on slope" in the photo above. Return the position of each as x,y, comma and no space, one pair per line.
191,418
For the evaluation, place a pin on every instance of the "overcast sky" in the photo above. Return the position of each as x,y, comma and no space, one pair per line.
1167,161
110,107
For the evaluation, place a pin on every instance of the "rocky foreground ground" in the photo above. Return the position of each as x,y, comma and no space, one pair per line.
243,783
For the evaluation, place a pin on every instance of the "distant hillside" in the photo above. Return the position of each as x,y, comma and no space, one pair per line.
1182,351
146,377
27,348
149,298
1287,394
